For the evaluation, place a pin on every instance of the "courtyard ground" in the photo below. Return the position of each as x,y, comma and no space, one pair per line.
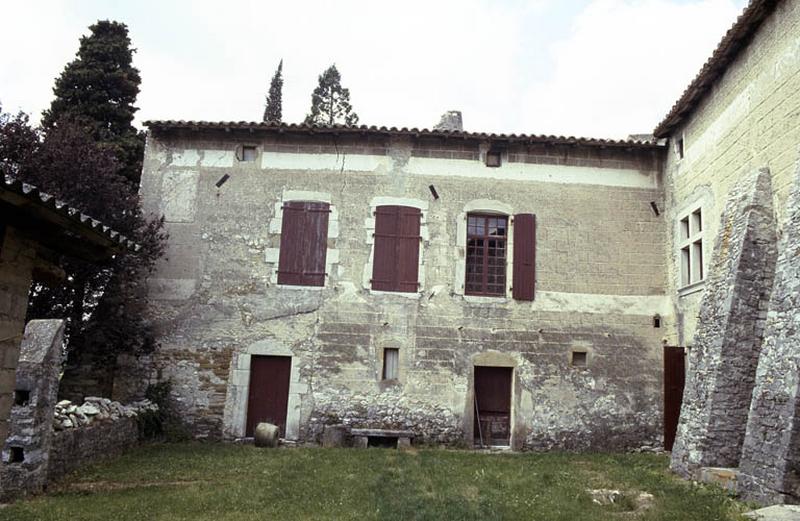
232,482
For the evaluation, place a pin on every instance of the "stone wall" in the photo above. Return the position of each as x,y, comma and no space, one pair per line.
749,120
26,451
73,449
770,464
727,342
48,439
599,282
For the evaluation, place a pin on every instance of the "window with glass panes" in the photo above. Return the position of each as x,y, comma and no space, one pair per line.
486,255
690,229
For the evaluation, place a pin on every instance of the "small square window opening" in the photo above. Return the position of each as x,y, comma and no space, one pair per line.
248,153
391,363
579,359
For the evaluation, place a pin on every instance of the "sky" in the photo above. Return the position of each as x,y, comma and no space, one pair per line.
597,68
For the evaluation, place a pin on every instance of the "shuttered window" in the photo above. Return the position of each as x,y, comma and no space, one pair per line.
304,242
524,280
395,265
486,255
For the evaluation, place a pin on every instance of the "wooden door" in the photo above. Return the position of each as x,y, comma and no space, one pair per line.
674,378
269,392
492,405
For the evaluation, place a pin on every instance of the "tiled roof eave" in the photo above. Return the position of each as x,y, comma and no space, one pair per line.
735,39
164,125
44,200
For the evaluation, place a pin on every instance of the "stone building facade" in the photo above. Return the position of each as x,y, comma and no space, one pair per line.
687,240
583,356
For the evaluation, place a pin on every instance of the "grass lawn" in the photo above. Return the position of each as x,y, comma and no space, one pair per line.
231,482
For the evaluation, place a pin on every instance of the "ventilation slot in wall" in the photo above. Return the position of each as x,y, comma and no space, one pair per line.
17,455
22,397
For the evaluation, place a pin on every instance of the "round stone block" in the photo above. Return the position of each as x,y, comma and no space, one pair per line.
266,435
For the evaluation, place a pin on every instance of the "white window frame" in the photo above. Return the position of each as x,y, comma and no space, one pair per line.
690,243
484,206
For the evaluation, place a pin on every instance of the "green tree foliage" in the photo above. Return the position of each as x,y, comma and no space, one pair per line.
330,102
104,305
274,106
19,142
84,155
98,89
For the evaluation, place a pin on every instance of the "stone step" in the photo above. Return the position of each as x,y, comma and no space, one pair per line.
726,478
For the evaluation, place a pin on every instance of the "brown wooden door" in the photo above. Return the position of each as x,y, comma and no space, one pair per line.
269,392
674,378
492,405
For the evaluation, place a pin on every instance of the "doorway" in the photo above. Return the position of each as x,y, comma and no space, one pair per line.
674,379
492,406
268,395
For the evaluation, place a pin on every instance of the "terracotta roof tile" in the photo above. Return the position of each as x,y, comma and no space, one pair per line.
394,131
33,194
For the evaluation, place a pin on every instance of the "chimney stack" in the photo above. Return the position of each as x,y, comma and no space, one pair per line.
450,120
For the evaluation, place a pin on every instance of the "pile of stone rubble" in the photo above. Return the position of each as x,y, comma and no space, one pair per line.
68,415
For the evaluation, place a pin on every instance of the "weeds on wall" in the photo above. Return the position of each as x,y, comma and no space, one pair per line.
165,423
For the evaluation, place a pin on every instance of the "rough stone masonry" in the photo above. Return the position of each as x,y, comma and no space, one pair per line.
727,343
26,452
770,464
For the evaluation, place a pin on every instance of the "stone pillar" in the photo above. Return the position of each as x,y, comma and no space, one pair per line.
16,264
770,464
27,448
723,359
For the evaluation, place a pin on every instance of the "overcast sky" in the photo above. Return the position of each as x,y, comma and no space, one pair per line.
601,68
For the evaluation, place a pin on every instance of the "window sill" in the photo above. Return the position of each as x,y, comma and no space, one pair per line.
403,294
694,287
476,299
299,287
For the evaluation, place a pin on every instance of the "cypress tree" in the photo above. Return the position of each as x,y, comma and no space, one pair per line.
98,90
330,102
274,107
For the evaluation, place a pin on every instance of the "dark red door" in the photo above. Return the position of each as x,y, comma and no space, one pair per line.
674,378
492,405
269,392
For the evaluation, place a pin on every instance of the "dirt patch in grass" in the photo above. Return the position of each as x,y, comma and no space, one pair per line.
106,486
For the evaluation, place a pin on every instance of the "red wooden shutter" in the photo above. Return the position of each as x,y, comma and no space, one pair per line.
408,249
524,282
384,265
395,264
304,244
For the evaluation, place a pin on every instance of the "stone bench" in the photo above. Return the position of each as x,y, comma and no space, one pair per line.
363,438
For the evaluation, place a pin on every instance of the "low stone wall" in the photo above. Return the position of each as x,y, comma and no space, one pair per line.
77,436
72,449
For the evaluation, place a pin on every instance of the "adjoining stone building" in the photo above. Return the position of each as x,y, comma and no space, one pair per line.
34,230
372,275
734,140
